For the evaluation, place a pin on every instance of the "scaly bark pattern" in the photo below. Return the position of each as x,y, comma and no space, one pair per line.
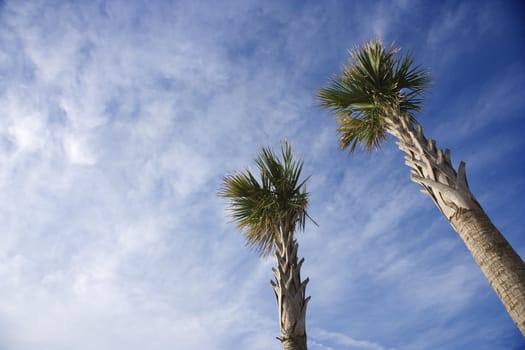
290,293
432,169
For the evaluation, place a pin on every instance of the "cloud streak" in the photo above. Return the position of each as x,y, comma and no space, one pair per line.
118,122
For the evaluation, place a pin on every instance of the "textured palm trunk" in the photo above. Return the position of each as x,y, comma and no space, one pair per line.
290,293
432,169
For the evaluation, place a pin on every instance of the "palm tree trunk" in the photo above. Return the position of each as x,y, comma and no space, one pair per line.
496,258
290,293
432,169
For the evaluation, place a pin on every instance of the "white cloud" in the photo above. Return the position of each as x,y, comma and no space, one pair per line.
24,127
119,121
26,134
78,151
343,341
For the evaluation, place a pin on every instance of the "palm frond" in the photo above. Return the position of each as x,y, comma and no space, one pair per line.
278,198
375,82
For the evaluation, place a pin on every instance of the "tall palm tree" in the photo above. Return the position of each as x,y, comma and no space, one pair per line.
268,211
377,94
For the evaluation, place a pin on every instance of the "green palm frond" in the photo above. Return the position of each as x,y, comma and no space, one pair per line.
261,206
375,82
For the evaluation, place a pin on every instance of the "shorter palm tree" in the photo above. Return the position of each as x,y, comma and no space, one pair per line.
268,210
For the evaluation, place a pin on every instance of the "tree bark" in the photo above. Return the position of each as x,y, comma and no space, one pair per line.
290,293
432,169
501,265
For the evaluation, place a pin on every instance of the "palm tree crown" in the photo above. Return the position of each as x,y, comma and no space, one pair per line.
375,84
261,207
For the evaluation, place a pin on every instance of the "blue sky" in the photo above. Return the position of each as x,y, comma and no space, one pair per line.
120,118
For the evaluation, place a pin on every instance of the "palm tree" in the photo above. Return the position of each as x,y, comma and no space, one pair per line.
377,94
268,211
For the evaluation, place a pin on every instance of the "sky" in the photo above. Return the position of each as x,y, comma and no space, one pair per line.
119,119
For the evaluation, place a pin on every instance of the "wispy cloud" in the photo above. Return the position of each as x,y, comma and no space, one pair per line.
119,120
341,341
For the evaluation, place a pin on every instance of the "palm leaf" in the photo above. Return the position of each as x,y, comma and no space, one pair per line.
261,206
374,84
